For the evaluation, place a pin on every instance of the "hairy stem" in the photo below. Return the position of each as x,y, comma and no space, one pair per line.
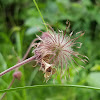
17,65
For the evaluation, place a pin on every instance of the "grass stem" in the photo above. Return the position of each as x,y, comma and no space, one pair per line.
52,85
40,14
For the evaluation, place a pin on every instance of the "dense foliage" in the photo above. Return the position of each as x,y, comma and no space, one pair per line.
20,22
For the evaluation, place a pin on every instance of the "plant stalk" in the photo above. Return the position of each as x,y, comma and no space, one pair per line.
40,14
18,65
50,85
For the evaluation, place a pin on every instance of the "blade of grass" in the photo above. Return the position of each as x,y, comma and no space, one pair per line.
19,49
52,85
40,14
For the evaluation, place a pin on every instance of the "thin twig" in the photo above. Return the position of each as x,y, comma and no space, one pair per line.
27,52
8,88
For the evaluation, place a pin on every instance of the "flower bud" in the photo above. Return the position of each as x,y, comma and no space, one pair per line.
17,75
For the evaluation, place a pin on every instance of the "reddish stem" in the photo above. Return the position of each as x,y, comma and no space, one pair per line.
18,65
8,88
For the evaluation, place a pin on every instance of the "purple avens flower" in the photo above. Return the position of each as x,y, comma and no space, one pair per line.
56,49
53,50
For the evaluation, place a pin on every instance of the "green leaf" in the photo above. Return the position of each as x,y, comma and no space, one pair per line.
3,62
94,79
33,21
96,68
33,30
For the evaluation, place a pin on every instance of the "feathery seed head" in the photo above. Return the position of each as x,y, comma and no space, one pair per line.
56,49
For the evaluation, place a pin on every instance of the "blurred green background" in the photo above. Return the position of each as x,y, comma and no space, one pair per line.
19,24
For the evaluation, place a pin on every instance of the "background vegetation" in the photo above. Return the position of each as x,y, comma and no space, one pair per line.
19,23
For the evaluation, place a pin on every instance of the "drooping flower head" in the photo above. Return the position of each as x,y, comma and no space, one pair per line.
56,49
